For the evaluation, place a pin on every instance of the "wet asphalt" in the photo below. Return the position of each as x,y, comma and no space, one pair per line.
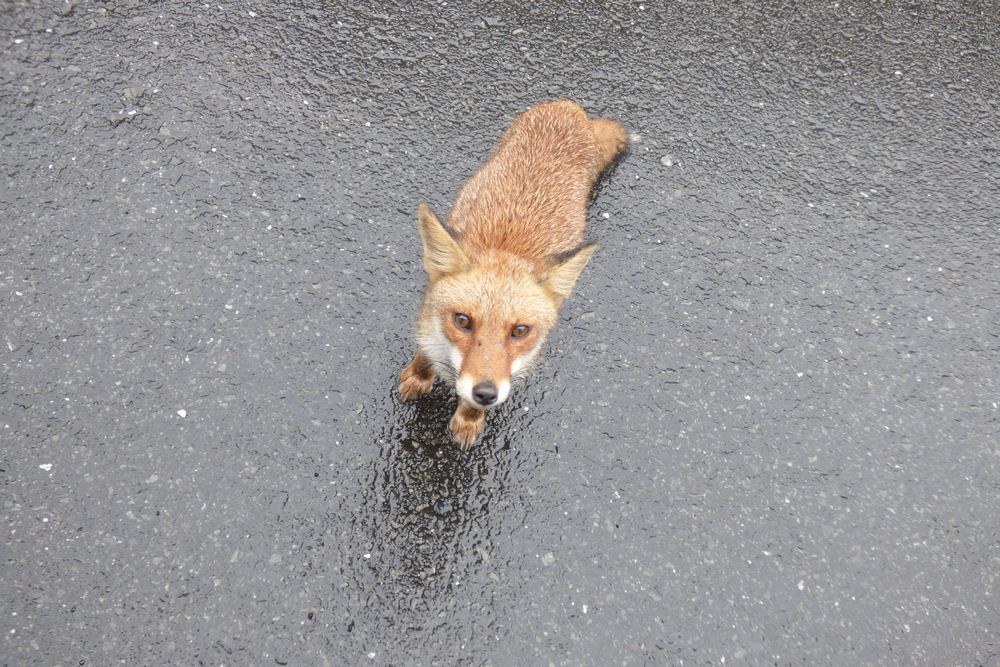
764,432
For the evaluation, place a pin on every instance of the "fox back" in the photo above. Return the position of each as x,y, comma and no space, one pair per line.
530,198
508,257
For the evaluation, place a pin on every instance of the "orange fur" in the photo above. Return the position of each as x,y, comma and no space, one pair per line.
509,256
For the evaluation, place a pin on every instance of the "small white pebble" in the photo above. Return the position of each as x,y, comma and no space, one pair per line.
46,466
182,413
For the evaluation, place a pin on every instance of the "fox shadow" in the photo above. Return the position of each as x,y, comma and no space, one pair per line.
435,502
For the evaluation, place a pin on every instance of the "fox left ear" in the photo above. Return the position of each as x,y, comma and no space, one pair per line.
564,269
442,254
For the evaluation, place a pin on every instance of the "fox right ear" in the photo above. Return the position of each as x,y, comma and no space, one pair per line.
564,269
442,254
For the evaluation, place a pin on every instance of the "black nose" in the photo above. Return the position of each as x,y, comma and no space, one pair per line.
485,393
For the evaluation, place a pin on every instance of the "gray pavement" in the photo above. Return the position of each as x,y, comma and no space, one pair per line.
765,432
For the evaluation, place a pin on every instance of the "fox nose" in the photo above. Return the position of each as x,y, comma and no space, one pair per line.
485,393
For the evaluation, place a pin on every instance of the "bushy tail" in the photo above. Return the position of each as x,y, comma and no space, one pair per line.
611,138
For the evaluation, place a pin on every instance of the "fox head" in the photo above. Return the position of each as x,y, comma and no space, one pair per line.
484,320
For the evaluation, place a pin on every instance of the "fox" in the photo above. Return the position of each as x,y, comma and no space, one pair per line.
507,258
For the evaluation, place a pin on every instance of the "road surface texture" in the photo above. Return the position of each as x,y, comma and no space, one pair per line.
766,430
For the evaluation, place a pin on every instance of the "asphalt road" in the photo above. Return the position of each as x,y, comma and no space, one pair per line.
765,431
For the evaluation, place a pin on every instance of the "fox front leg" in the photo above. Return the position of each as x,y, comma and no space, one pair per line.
467,424
416,379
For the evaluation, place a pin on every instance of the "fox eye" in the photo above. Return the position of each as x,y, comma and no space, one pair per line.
520,331
463,321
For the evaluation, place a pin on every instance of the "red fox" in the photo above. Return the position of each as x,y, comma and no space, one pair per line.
507,258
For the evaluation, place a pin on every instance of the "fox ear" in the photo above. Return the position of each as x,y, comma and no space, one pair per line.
565,268
442,254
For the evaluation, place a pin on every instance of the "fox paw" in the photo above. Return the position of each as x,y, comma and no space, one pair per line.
411,387
415,380
466,426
